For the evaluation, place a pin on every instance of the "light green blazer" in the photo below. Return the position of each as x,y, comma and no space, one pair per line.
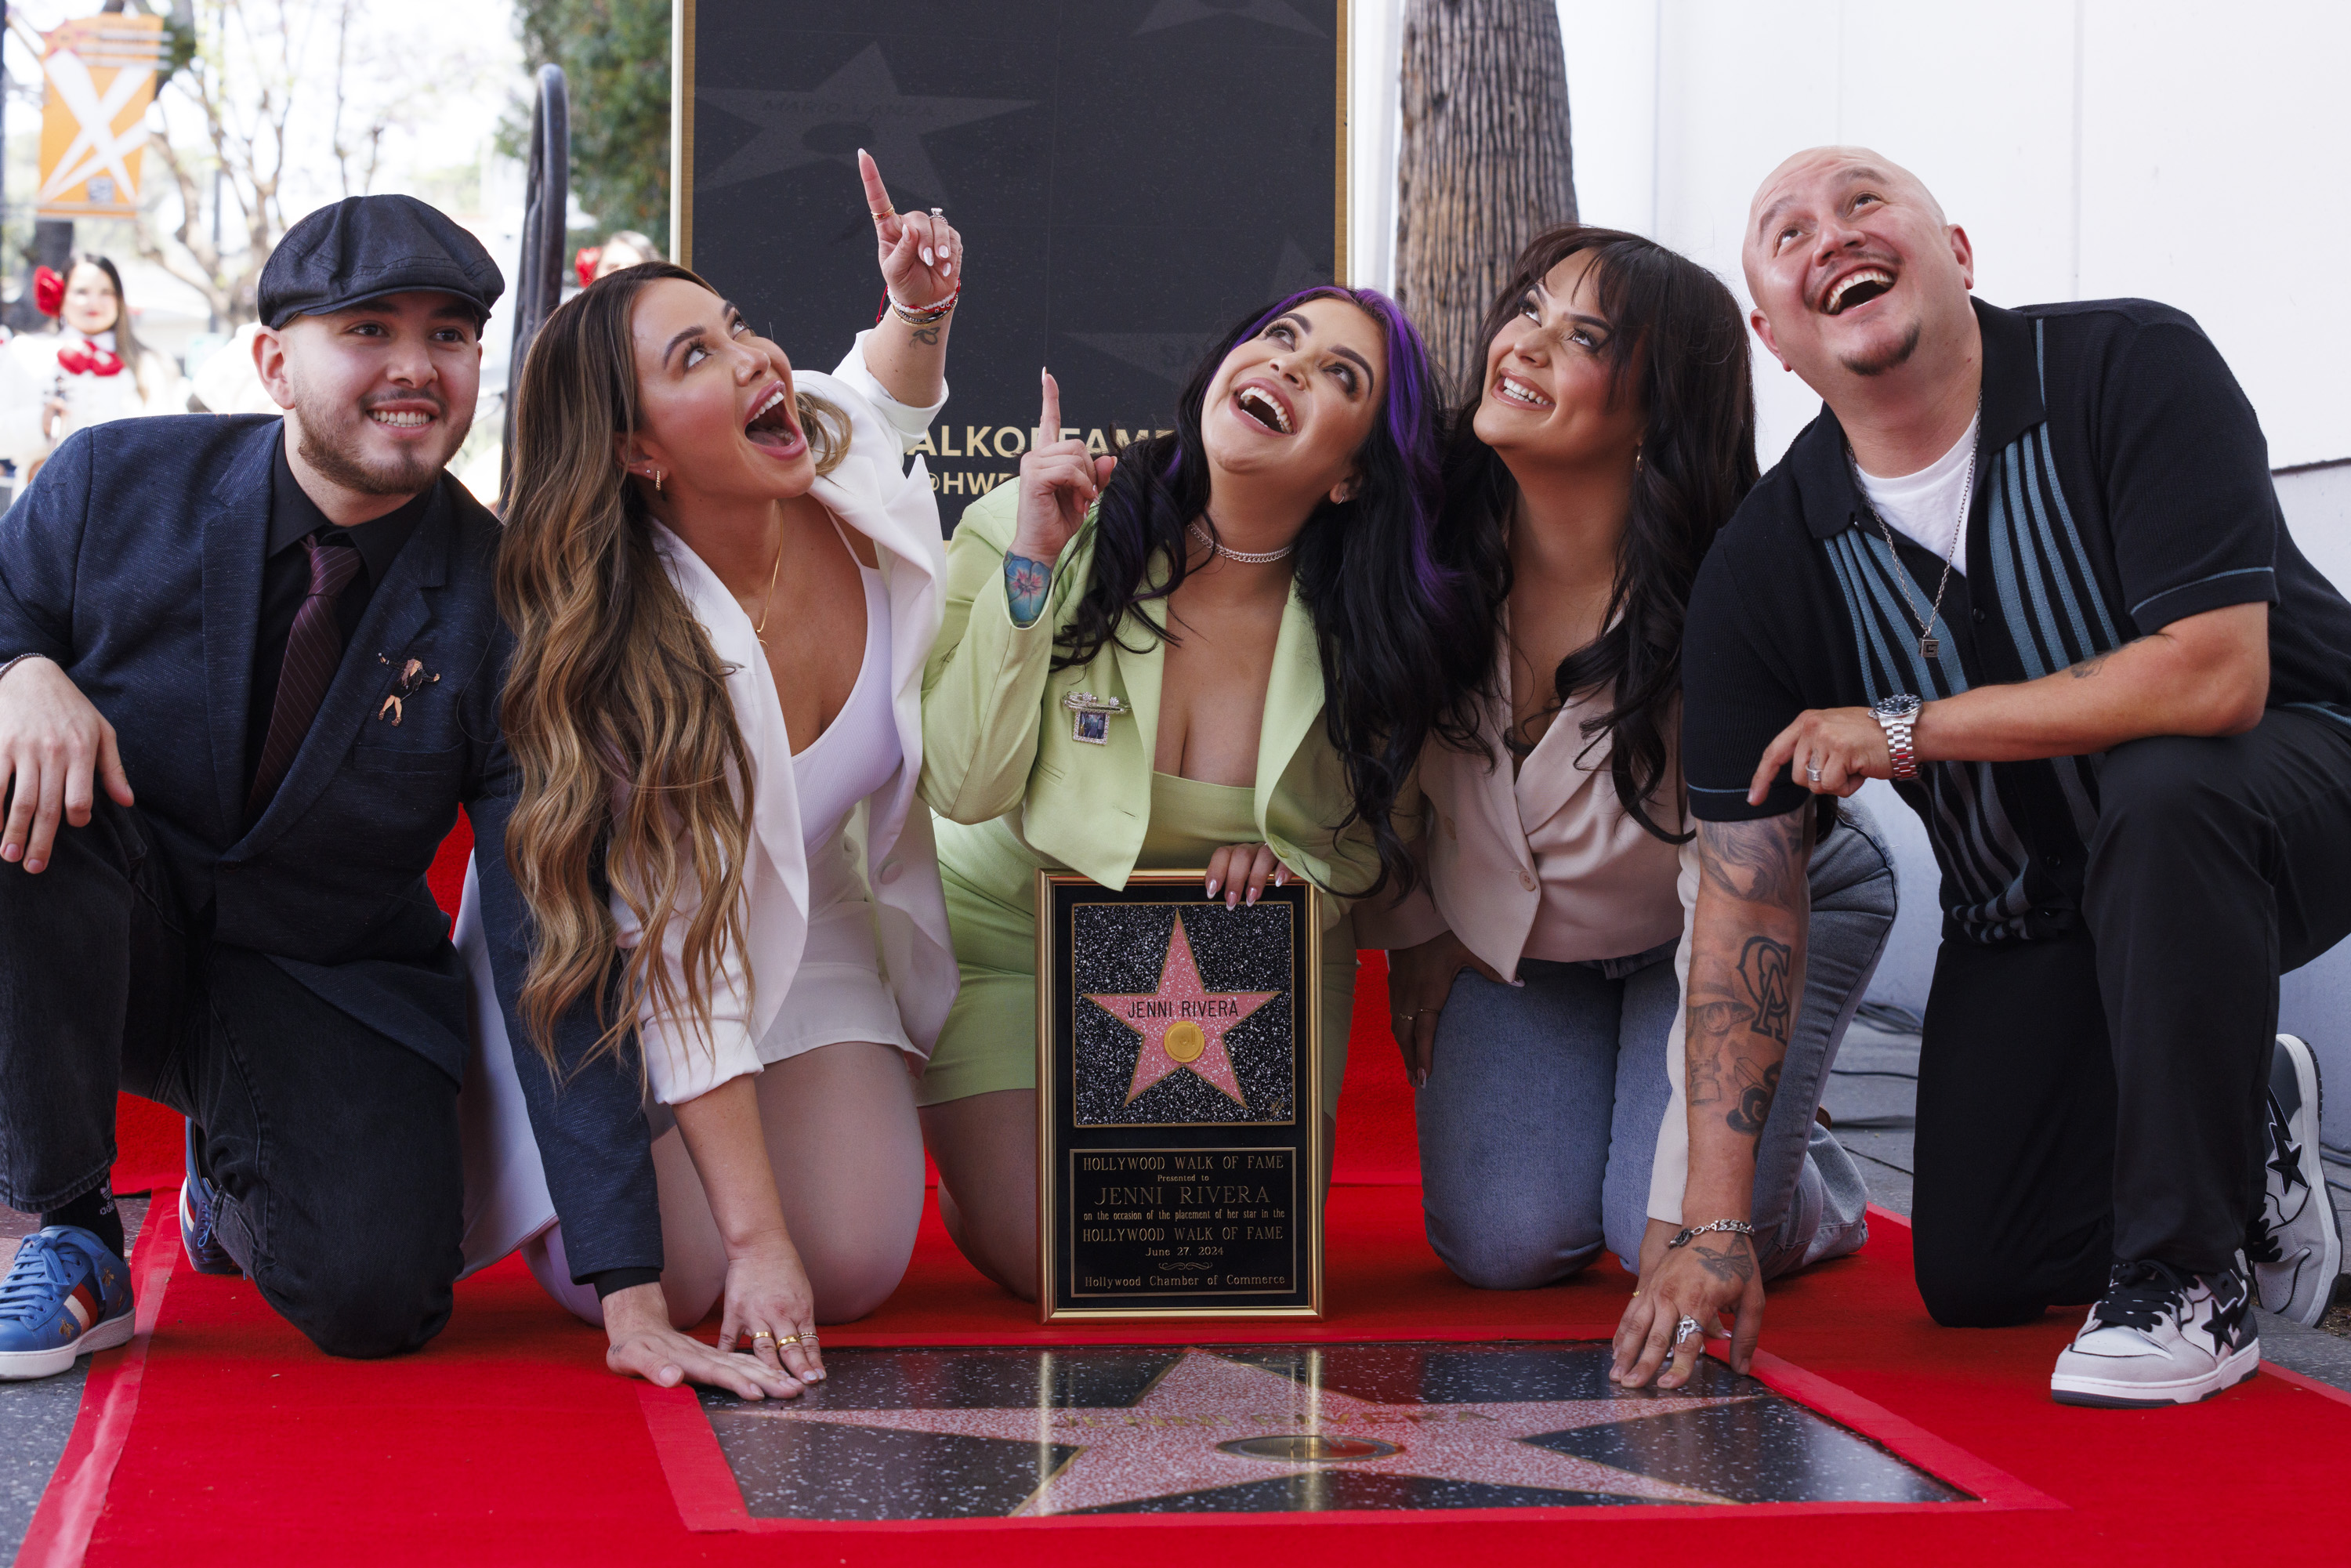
996,739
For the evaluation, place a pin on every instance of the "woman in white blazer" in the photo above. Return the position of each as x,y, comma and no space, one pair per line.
723,584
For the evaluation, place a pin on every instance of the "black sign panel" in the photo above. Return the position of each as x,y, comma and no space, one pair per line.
1130,176
1179,1152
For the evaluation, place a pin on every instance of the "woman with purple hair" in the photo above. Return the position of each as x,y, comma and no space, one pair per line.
1252,607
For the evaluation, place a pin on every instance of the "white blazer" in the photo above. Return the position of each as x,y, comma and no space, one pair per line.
898,513
506,1201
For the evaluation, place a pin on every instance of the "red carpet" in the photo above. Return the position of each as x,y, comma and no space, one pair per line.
506,1442
230,1442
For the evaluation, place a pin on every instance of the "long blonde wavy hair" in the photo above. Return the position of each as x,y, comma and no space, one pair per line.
615,706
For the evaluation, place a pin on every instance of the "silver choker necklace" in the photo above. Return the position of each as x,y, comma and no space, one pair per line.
1245,558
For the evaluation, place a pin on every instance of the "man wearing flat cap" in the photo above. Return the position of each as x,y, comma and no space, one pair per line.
248,674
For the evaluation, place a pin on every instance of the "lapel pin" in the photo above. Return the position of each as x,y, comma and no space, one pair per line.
1091,716
412,677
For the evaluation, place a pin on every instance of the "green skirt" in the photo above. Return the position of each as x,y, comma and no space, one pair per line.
990,875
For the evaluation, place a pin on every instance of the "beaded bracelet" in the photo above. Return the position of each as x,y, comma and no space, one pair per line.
919,315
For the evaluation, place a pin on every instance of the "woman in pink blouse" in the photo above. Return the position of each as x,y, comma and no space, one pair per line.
1535,981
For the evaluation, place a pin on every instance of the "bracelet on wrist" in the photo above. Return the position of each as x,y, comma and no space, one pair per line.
928,315
1736,1227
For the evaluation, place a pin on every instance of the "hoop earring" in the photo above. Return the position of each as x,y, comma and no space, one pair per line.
657,481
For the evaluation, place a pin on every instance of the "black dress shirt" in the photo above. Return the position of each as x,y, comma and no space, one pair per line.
285,582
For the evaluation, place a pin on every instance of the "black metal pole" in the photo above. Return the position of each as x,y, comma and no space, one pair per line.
546,208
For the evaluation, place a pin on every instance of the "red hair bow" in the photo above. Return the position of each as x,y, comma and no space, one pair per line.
584,264
48,291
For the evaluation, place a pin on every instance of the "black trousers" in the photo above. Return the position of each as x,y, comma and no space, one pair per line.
335,1148
2098,1096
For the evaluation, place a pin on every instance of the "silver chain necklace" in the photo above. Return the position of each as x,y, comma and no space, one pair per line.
1245,557
1929,645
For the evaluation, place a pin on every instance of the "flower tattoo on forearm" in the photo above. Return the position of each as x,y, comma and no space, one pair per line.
1024,584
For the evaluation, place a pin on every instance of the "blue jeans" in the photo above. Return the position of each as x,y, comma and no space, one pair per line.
1539,1121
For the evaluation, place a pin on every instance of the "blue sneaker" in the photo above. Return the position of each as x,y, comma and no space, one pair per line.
198,1206
65,1296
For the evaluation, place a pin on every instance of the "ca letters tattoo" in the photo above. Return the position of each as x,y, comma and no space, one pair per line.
1763,970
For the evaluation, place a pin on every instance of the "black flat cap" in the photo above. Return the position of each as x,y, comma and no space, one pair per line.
364,248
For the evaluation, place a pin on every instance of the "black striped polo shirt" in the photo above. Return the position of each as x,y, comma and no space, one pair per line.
2122,482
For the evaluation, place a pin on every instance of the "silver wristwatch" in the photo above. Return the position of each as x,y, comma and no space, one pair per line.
1896,715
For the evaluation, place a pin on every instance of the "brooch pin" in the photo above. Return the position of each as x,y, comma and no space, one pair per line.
1091,716
412,678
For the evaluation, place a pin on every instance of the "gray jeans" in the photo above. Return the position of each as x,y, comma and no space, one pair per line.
1539,1121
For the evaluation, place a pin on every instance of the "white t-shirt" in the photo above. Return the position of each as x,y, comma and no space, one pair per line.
1925,506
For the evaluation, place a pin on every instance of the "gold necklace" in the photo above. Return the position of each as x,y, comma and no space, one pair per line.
759,627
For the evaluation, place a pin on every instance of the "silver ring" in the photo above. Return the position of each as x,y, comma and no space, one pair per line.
1684,1329
938,212
1814,772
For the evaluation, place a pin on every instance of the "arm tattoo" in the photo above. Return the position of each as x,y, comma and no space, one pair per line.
928,336
1025,583
1759,862
1754,1107
2090,666
1763,970
1746,965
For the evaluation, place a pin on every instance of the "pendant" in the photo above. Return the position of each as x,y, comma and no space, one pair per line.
1930,647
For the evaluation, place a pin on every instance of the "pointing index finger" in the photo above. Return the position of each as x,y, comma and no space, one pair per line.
877,196
1049,419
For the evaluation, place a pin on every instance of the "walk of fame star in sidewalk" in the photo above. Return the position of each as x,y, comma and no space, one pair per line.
1032,1433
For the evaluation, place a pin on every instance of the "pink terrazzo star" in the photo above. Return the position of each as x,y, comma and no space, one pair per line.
1182,1023
1179,1437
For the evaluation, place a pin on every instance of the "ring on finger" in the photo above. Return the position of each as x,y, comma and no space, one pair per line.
1684,1329
787,1339
1812,770
761,1333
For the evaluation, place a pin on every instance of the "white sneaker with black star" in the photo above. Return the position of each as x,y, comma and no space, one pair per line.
2295,1244
2161,1337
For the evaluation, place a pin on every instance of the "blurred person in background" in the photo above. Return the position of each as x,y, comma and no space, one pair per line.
622,247
91,369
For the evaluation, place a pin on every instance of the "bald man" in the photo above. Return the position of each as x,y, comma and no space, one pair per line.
2029,565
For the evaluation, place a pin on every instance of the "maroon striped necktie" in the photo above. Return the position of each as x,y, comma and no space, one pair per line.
313,648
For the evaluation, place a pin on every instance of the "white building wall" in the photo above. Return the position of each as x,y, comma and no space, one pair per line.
2198,154
2192,153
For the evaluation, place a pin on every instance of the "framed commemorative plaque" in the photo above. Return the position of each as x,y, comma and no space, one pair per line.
1179,1145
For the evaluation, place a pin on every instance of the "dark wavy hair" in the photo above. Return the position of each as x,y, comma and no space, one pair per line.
1395,624
1678,347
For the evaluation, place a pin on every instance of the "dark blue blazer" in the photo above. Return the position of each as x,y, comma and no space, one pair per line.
134,561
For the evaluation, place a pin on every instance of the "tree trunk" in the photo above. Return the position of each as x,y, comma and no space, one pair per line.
1484,162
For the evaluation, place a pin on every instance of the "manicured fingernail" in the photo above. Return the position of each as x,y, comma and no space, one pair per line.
1281,877
1233,898
1213,885
927,257
1252,896
947,270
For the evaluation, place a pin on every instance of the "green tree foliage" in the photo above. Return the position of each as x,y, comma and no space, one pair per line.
615,60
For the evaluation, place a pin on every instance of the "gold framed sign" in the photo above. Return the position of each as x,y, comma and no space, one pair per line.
1179,1141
